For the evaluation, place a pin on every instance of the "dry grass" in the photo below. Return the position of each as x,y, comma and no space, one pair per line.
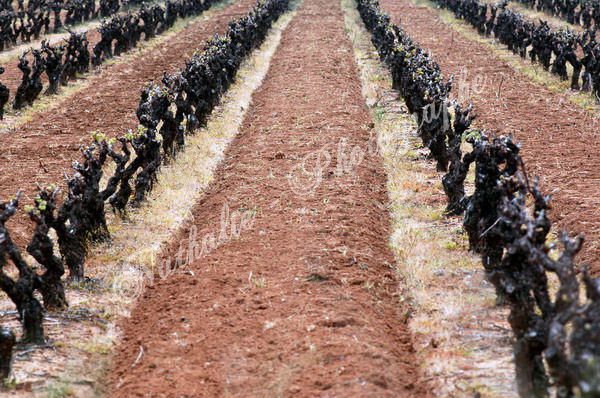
80,347
461,337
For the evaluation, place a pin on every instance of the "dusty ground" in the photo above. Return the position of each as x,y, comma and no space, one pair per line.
555,133
305,301
46,145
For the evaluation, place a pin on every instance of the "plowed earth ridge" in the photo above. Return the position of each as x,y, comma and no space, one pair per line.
305,300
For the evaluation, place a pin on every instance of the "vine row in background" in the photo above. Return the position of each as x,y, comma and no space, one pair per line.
577,12
557,336
553,49
119,34
179,105
27,22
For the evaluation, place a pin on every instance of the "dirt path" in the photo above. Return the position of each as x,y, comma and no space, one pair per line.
558,138
305,301
44,148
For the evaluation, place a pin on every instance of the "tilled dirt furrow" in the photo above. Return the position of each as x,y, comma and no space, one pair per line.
557,136
290,289
41,150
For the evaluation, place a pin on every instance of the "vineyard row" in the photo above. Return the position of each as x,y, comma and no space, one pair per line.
577,12
25,23
557,335
119,34
553,49
179,105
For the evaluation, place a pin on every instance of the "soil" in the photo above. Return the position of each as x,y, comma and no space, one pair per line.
558,136
305,301
45,146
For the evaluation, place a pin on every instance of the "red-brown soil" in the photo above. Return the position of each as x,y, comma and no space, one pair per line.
305,302
558,137
41,150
